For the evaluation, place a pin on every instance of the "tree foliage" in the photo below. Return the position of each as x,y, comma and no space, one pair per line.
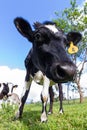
75,19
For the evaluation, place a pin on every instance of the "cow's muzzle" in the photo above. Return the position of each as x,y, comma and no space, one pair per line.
63,72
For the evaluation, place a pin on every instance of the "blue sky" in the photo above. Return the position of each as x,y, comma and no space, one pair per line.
13,47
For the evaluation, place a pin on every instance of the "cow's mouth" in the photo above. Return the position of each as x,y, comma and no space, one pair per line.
3,94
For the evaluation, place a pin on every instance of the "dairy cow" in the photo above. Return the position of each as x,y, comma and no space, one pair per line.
47,61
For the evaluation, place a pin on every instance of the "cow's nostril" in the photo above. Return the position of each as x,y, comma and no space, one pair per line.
60,72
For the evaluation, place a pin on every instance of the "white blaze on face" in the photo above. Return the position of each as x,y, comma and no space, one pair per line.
52,28
1,87
10,85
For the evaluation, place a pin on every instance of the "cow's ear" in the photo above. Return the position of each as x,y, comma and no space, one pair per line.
74,37
4,84
15,86
23,27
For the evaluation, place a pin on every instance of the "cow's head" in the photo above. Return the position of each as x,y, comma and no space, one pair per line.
49,54
4,90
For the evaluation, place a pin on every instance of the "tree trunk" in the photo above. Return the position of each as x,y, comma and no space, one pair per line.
80,93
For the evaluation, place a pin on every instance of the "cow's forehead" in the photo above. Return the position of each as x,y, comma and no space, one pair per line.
53,28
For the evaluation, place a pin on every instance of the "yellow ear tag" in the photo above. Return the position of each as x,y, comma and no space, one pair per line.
72,49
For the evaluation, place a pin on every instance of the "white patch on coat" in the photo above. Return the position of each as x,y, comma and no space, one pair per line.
38,76
46,83
44,115
53,28
61,111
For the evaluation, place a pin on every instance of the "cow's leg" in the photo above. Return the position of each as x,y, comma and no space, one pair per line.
60,98
51,95
44,98
23,97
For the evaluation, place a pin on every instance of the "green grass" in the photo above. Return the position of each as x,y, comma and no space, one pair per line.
74,118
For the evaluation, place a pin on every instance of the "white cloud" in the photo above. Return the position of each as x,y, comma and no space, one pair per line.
85,68
11,75
83,80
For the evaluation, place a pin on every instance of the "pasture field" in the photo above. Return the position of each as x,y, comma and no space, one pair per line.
74,118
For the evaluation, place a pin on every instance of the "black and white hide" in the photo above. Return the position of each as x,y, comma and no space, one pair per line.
47,59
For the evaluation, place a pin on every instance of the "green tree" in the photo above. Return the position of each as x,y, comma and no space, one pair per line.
75,19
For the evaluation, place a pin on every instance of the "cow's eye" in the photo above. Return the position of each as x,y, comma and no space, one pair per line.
37,37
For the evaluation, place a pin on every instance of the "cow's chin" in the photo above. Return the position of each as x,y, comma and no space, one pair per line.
59,79
3,95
